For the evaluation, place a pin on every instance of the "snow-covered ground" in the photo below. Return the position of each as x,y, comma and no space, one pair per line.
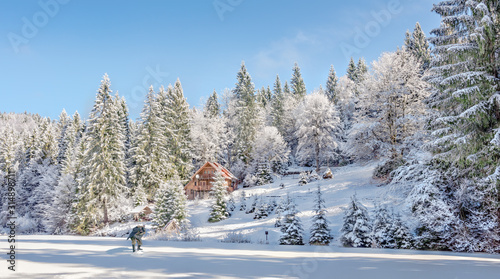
111,257
337,192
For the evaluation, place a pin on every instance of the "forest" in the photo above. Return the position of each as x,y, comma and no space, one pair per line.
429,111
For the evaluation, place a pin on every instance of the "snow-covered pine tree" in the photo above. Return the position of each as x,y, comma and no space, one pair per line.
245,116
171,203
102,184
417,44
297,83
465,74
361,70
382,229
316,123
178,129
243,201
64,122
219,209
150,155
277,106
356,229
262,210
320,232
212,106
401,234
264,174
292,231
231,206
253,206
331,86
352,70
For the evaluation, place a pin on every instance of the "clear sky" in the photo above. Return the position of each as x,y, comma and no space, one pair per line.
53,53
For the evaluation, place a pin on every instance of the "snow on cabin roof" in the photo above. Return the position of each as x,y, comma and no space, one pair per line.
140,208
225,172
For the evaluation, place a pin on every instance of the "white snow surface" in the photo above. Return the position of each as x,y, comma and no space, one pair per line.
46,256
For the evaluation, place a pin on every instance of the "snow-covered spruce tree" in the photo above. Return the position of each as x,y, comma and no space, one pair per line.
231,206
253,206
383,229
297,83
401,234
245,116
178,127
150,154
291,227
331,86
264,174
102,182
219,209
390,109
278,106
352,70
171,203
356,229
465,74
62,125
243,201
417,44
212,107
264,96
320,232
316,122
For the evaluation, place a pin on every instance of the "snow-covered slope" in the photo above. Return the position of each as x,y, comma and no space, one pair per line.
337,192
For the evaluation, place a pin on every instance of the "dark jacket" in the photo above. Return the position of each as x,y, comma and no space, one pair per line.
137,232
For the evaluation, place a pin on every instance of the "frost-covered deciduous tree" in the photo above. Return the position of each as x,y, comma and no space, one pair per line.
208,137
269,147
317,124
391,107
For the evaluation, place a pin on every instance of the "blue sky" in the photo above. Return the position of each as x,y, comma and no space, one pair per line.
53,53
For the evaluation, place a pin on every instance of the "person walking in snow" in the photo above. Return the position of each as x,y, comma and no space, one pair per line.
137,234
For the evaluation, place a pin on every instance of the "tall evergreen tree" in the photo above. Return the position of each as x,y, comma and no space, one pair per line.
418,45
331,86
151,157
246,115
212,106
178,124
352,70
297,83
464,72
277,106
102,185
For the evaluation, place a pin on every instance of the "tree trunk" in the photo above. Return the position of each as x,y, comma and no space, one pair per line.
105,208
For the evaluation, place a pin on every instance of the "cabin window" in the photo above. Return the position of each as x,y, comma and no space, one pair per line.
195,183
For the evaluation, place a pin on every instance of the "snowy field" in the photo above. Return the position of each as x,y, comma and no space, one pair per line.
105,257
44,256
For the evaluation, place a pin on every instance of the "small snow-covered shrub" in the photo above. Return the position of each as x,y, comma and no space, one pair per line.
303,178
235,237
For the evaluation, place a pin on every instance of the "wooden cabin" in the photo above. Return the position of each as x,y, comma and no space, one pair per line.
200,184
